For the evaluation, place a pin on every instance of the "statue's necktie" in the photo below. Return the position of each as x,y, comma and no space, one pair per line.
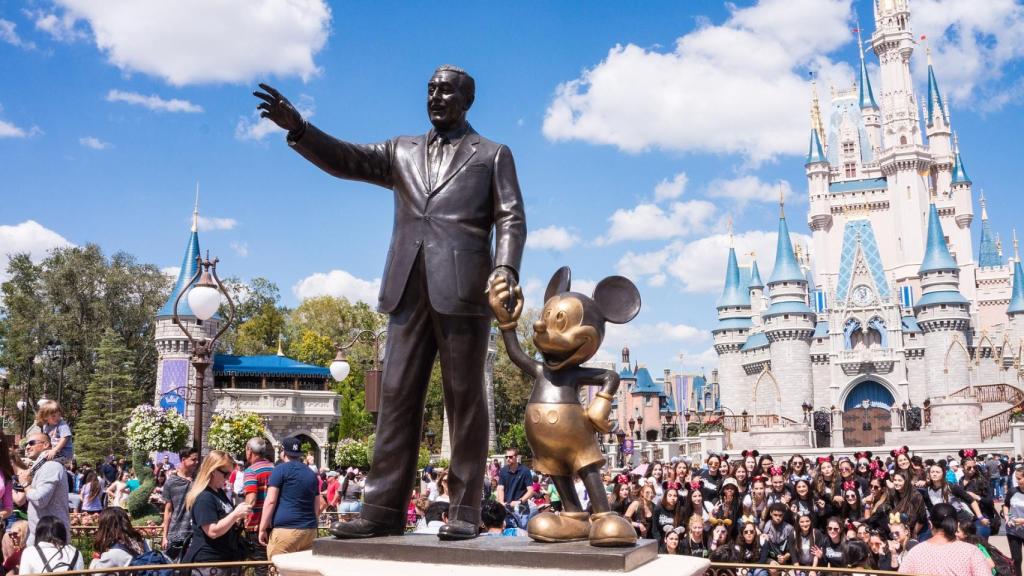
437,151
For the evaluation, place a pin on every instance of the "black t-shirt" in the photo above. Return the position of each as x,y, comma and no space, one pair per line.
515,483
209,508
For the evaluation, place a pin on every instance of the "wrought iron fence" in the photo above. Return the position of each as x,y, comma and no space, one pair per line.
737,569
247,568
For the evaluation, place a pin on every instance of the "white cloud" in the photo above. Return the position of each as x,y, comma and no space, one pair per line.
744,189
338,283
652,222
739,87
670,189
61,28
94,143
171,271
551,238
153,102
240,248
28,237
10,35
199,42
257,128
971,48
699,266
210,223
636,335
11,130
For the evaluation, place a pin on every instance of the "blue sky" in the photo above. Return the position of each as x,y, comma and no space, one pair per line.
638,133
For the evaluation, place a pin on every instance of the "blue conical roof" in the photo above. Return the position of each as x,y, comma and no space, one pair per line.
815,153
1017,295
734,293
787,269
988,254
867,97
959,172
755,276
936,253
935,104
189,265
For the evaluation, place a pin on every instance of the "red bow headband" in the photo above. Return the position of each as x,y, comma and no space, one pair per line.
824,459
622,479
850,485
881,474
750,453
851,526
873,466
673,486
864,455
758,478
695,484
776,471
900,450
968,453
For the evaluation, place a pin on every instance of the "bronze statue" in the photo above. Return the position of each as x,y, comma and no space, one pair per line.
454,192
561,435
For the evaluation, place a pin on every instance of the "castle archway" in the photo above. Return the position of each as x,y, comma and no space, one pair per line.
867,412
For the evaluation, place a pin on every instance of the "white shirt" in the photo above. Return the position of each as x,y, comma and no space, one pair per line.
31,563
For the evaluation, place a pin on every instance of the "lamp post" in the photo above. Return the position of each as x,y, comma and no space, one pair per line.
204,295
632,427
640,425
340,367
620,435
430,435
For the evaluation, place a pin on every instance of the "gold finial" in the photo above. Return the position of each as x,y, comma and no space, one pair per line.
816,122
195,210
981,200
280,351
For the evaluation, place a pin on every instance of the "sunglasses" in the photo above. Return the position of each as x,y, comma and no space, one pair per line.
833,528
33,442
510,457
223,471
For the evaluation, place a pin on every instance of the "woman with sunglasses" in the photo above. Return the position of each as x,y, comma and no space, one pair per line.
711,479
214,538
852,509
879,504
978,488
830,552
749,546
796,469
641,512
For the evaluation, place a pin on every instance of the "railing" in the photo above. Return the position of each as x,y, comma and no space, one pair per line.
743,423
991,393
246,568
737,569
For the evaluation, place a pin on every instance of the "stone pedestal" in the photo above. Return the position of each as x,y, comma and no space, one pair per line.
1017,437
425,555
712,442
955,414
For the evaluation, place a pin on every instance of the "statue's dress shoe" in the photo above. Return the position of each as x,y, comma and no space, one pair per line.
610,529
564,527
458,530
363,528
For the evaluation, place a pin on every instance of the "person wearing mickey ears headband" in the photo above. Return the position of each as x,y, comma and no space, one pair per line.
852,509
711,478
720,542
881,501
749,546
826,486
796,469
779,491
729,506
847,473
900,540
750,462
756,500
977,485
694,503
908,502
939,491
667,513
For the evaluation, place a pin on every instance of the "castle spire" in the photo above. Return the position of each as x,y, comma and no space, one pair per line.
867,97
988,255
189,265
936,252
816,123
935,103
959,172
1017,295
733,295
787,269
195,211
755,274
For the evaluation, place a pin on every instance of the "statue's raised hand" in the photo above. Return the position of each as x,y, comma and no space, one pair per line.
278,109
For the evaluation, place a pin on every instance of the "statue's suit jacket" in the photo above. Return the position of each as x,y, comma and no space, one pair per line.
477,191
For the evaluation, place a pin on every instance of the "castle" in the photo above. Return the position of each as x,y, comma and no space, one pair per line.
899,331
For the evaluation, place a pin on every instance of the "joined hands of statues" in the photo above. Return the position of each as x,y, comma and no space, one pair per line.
278,109
500,295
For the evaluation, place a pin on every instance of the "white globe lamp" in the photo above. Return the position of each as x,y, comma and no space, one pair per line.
204,299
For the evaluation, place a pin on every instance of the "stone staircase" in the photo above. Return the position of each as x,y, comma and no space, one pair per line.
997,401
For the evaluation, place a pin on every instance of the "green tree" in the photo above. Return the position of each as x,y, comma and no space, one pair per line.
512,388
259,334
312,348
109,402
250,299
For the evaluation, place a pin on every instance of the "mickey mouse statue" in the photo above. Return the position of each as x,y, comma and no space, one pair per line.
561,434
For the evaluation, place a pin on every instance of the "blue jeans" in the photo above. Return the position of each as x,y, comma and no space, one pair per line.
350,506
997,487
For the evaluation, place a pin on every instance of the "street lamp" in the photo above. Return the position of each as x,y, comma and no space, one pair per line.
640,424
632,427
340,368
204,291
430,439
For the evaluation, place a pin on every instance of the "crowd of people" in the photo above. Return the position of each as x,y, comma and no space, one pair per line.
875,512
897,512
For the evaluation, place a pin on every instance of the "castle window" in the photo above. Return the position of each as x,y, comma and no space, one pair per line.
850,169
848,147
903,140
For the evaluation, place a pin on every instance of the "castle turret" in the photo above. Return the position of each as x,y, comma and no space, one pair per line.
1015,311
988,252
938,129
175,377
733,327
868,107
893,43
789,325
817,168
756,288
943,314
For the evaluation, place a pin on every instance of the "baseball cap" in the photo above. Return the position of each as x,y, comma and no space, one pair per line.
292,446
